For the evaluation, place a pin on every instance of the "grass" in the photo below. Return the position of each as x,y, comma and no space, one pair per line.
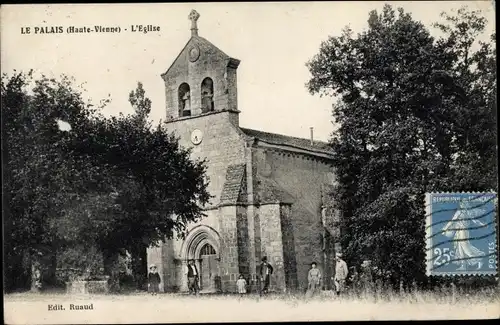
141,307
488,295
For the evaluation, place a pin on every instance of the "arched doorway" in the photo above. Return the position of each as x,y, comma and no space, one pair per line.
209,268
202,244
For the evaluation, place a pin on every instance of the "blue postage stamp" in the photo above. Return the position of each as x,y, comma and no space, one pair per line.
461,233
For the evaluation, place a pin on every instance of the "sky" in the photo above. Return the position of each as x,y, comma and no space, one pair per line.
272,40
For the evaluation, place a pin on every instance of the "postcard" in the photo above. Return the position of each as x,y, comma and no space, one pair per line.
236,162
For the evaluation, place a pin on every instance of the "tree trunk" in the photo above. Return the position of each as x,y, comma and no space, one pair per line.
139,265
36,273
49,277
110,261
17,272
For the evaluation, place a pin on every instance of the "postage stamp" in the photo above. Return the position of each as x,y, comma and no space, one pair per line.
461,233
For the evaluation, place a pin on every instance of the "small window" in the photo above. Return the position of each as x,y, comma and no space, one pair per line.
207,250
207,95
184,100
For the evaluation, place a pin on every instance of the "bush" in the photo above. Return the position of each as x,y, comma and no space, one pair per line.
126,281
79,262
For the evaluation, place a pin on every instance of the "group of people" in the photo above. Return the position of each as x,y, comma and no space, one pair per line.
154,279
241,284
339,279
265,271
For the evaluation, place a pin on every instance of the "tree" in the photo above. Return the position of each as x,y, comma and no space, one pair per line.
34,188
140,103
475,71
404,106
108,182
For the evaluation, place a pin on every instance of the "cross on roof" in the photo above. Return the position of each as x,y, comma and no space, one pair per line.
193,16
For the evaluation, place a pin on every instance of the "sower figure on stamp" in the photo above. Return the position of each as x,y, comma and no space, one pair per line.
465,218
341,272
265,275
192,275
153,280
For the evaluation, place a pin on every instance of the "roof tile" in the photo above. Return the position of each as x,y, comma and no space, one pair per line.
286,140
233,183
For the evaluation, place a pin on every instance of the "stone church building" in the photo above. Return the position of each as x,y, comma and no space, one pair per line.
269,190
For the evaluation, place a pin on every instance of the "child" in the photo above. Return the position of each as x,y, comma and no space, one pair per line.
241,284
314,280
153,280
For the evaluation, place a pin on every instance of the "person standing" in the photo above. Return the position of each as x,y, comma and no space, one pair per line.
313,280
153,280
366,277
192,275
36,278
341,272
353,280
241,284
265,275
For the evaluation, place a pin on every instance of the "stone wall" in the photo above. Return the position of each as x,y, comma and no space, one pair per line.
229,248
272,244
329,264
222,145
170,271
87,287
155,256
243,241
289,260
169,259
302,177
211,63
163,256
232,89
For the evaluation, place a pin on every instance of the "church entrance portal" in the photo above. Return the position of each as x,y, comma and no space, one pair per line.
202,244
209,268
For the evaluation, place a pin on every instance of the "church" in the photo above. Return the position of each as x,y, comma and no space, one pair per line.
270,191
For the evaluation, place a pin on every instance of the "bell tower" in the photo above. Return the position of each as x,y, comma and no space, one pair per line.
201,80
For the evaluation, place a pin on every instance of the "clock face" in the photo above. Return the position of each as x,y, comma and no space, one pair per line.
194,53
196,136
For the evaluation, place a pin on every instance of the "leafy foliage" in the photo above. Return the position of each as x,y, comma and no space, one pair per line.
112,183
415,114
77,261
140,103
